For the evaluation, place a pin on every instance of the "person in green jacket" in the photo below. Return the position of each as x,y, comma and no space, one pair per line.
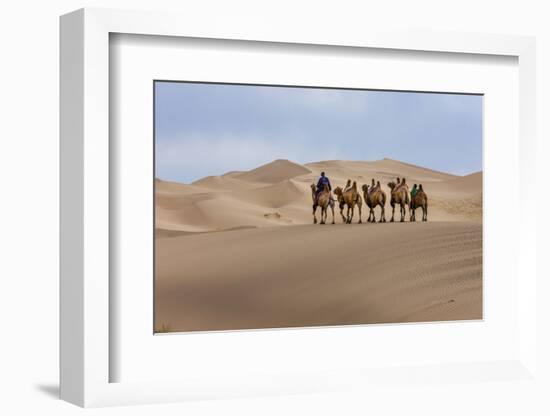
414,191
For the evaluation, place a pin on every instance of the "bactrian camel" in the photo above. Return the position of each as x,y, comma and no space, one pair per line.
351,198
399,195
375,196
420,200
323,200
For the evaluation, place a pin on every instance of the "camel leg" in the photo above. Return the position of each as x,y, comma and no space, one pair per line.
403,213
342,213
314,216
425,213
360,219
383,214
332,209
392,211
352,212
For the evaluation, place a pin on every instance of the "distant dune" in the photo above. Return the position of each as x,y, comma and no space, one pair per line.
273,172
279,193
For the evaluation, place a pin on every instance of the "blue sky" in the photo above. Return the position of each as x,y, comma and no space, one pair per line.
210,129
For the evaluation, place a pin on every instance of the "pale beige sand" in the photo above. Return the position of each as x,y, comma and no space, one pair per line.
271,268
279,194
319,275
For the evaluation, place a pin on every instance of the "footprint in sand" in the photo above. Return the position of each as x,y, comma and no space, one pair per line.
276,216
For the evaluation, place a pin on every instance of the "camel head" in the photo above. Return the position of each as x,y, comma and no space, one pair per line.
391,185
337,191
313,187
365,187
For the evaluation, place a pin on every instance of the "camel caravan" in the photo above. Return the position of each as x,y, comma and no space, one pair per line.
373,195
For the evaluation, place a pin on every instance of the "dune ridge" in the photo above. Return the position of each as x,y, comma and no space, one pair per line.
279,194
276,171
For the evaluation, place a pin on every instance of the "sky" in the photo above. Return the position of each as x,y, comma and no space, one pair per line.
210,129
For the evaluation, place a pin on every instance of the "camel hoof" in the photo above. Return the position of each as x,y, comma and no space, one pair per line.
360,222
333,222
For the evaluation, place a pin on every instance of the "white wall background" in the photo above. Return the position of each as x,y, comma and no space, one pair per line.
29,197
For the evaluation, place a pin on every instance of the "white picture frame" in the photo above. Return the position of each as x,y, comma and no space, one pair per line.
85,211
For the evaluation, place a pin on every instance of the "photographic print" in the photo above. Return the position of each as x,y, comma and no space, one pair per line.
292,207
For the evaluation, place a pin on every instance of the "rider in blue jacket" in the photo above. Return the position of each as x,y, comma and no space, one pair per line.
323,180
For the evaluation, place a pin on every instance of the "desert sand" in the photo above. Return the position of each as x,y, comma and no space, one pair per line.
239,251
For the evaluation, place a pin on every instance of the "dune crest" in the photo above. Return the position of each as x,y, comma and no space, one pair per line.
251,198
273,172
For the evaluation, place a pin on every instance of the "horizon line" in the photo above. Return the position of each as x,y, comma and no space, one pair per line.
320,161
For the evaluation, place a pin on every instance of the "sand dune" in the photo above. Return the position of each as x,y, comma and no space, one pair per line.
279,193
276,171
319,275
166,187
272,268
223,183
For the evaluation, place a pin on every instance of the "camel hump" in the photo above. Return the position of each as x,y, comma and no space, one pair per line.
420,187
354,185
